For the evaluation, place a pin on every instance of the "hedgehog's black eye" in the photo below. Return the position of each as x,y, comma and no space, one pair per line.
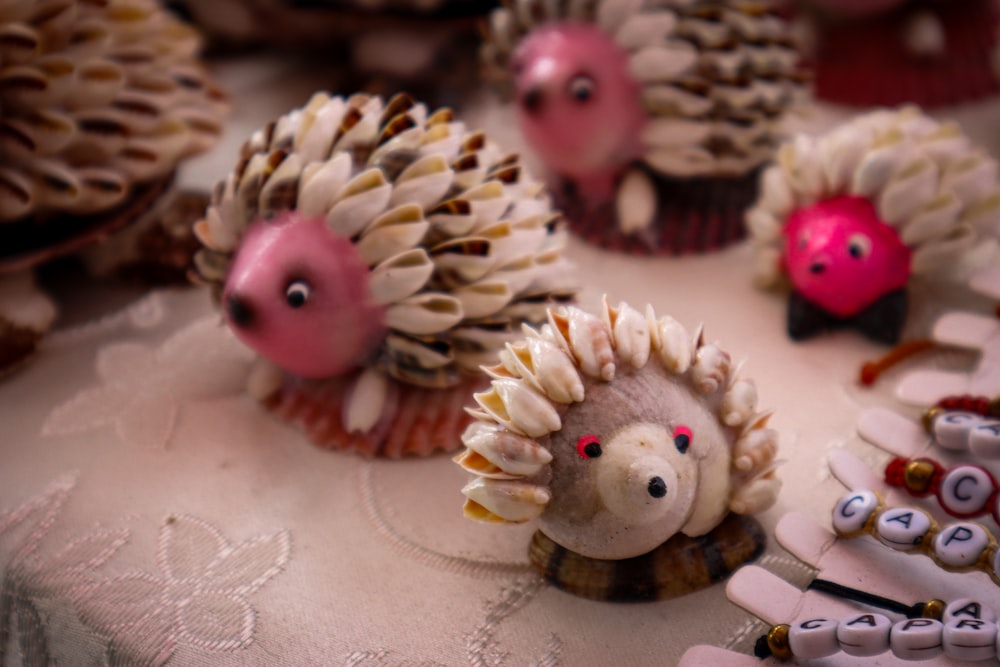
581,88
588,447
859,246
682,438
297,293
657,487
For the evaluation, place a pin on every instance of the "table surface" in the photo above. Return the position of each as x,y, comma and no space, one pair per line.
152,513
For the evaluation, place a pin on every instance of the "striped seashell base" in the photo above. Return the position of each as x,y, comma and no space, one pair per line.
693,215
421,422
876,70
679,566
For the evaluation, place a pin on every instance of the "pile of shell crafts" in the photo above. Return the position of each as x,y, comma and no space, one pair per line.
847,219
375,254
653,118
636,446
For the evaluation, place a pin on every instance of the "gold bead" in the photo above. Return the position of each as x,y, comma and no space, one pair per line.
930,416
933,609
917,476
777,641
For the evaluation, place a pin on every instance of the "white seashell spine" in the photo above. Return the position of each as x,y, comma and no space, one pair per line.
462,245
716,76
98,98
923,176
750,485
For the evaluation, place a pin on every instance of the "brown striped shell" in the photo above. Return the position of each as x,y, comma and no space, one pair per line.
679,441
97,98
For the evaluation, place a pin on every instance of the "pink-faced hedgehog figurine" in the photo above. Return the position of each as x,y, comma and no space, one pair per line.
100,103
933,53
652,118
375,254
850,217
636,446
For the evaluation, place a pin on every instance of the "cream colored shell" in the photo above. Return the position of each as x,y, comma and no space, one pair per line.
544,396
924,177
716,75
462,243
97,98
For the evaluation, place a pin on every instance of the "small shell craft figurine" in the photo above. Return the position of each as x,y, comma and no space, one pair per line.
850,217
635,445
100,102
651,117
375,255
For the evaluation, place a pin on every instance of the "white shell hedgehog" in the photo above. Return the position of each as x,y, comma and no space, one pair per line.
848,217
383,252
620,99
99,103
617,432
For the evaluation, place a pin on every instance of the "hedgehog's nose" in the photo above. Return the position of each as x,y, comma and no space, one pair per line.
532,100
239,311
817,268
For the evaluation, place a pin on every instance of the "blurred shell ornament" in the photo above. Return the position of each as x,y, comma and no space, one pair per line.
652,117
99,103
375,254
888,52
848,217
633,444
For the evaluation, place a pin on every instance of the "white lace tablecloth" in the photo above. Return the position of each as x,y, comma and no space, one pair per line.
152,514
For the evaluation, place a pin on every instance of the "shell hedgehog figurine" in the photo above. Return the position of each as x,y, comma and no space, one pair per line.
99,104
652,117
848,218
375,255
634,444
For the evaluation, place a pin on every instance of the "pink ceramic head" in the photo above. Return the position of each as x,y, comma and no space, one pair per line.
842,257
578,107
298,294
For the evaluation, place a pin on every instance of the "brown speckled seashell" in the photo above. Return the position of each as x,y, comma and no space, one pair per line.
679,566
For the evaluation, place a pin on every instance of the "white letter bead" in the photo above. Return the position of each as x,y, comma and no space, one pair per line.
853,510
813,638
864,634
968,609
970,639
951,430
916,639
965,490
960,544
984,439
902,528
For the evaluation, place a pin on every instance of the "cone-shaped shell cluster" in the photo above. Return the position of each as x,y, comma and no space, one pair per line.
924,177
462,244
96,98
543,385
716,75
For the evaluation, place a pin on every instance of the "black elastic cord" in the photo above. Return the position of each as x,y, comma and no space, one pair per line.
848,593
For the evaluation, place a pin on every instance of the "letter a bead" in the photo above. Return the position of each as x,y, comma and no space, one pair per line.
813,638
916,639
864,634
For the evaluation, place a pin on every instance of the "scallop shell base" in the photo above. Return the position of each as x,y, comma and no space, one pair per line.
423,421
693,216
31,242
877,71
679,566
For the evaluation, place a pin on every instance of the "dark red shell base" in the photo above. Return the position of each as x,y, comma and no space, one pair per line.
694,215
864,62
416,421
679,566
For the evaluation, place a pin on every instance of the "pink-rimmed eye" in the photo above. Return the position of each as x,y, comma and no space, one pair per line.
682,438
588,447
